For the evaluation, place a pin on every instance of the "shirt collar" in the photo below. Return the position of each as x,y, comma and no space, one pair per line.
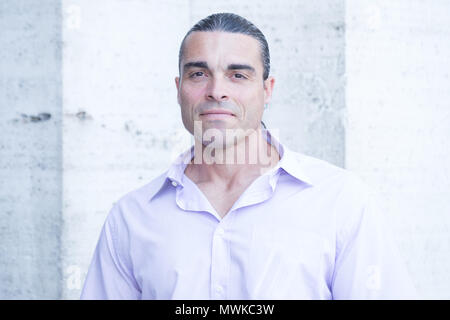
290,161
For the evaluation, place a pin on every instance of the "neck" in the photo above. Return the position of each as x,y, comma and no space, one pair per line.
232,164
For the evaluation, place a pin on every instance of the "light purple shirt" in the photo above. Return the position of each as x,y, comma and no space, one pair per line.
305,229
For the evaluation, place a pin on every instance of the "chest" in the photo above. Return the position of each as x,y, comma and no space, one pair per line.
222,200
250,255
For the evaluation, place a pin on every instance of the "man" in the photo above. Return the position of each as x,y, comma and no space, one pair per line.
221,223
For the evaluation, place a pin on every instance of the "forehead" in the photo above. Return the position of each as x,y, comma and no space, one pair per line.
225,47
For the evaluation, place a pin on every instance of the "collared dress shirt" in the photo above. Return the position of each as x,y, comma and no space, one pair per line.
305,229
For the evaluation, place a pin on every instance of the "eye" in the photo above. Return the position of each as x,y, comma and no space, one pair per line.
239,76
196,74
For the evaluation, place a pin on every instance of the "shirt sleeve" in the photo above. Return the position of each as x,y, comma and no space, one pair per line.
108,276
368,262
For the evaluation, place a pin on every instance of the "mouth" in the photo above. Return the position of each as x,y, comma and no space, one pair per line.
217,114
217,111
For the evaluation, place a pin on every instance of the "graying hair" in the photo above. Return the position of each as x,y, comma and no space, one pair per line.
230,22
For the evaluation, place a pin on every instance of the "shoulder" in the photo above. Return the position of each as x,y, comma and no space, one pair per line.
354,204
136,201
353,198
346,195
324,174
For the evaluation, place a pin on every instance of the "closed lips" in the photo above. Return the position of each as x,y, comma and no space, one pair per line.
217,112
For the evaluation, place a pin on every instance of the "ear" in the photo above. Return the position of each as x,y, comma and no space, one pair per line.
177,84
268,88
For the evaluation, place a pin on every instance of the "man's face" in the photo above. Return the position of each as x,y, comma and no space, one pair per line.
222,72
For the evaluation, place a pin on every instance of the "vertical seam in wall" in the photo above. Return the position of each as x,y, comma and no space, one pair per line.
190,11
344,118
60,142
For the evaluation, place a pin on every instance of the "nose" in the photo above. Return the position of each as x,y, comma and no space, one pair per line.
217,91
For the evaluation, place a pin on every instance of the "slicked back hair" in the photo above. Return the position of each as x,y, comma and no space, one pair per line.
233,23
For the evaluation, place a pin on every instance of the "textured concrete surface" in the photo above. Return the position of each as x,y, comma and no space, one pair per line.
121,117
120,111
362,84
30,149
398,104
306,40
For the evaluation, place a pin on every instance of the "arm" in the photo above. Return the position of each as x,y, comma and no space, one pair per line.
108,276
368,264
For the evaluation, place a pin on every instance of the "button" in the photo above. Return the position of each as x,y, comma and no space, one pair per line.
174,183
220,231
219,290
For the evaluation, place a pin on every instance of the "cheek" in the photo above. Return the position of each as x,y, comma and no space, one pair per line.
254,99
253,93
190,94
189,98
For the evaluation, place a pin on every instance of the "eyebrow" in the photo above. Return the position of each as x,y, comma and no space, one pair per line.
204,65
197,64
241,67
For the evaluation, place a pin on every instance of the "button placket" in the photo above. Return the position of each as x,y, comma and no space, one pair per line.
219,264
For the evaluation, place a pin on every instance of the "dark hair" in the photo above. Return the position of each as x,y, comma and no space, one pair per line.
230,22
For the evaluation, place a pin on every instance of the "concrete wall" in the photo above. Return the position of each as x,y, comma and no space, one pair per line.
120,112
398,105
362,84
307,44
30,149
121,117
